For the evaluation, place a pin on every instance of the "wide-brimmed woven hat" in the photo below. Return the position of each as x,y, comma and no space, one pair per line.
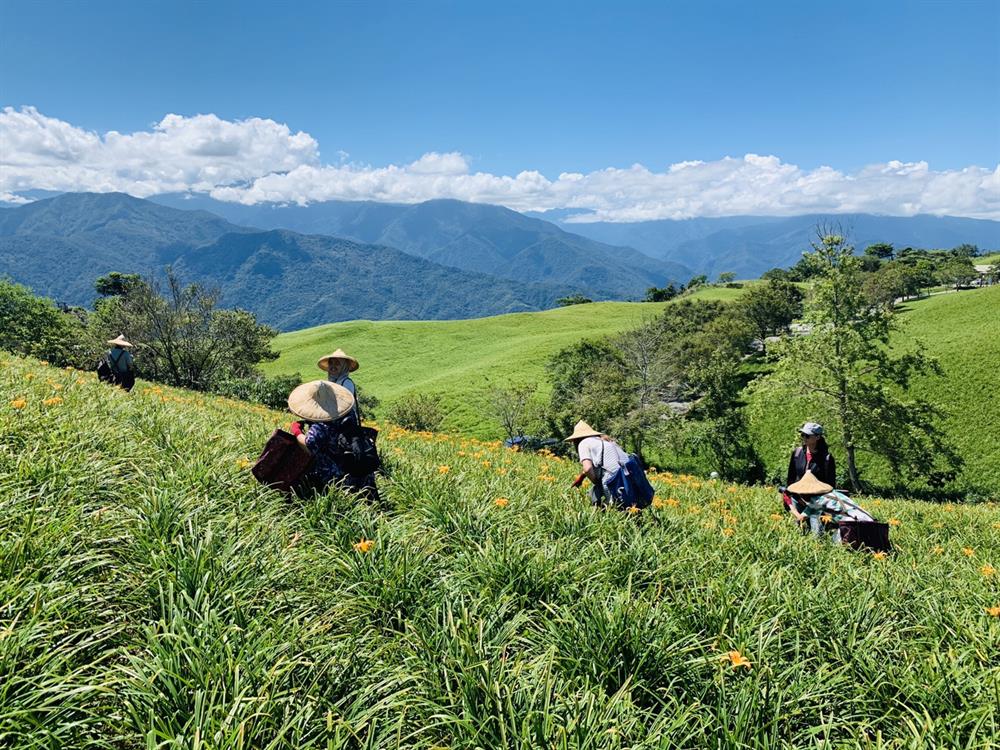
120,341
324,362
581,431
809,485
320,401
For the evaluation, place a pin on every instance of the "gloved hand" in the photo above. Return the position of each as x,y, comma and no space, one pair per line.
295,428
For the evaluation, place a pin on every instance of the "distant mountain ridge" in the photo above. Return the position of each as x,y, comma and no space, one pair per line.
469,236
59,246
750,245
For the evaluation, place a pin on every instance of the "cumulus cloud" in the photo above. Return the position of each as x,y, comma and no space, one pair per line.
177,154
258,160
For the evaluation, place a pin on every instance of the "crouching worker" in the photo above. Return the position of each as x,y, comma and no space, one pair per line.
328,433
820,509
617,477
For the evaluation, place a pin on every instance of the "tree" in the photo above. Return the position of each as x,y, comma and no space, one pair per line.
513,406
116,284
770,308
696,282
727,277
656,294
34,326
573,299
858,384
965,250
956,270
181,338
881,250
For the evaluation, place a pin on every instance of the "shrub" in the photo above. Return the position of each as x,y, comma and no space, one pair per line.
35,326
271,392
417,411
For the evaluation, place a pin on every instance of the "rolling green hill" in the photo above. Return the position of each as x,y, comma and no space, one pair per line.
152,594
460,358
962,331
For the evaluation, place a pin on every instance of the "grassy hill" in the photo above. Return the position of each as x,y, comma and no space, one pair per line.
460,358
962,331
153,595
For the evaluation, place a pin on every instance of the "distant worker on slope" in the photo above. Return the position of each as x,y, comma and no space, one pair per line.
617,477
117,365
338,367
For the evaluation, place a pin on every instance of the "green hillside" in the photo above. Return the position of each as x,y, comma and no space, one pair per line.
962,331
152,595
460,358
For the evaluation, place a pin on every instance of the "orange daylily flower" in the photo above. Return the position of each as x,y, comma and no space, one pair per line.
937,549
894,522
736,659
633,510
443,469
54,401
968,551
364,545
879,555
993,611
18,403
501,502
987,570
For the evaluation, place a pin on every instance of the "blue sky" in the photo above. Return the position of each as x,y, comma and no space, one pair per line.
544,87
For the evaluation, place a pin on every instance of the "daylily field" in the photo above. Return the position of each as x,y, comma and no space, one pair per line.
153,595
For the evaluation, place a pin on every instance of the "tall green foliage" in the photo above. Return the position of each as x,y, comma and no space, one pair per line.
856,384
35,326
182,337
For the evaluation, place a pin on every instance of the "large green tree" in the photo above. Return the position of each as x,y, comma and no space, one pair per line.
181,336
858,384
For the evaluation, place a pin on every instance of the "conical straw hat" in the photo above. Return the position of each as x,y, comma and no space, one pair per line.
582,430
120,341
809,485
320,401
324,362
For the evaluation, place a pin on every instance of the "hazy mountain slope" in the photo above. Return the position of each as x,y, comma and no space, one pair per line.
470,236
748,245
59,247
291,280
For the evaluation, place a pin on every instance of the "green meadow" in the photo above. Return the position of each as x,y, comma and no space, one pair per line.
460,359
153,595
962,331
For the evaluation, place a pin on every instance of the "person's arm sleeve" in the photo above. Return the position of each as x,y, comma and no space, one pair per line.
790,477
832,481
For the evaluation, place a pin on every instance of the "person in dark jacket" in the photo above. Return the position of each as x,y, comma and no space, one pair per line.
813,456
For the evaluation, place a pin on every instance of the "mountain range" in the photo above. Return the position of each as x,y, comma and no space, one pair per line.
750,245
59,246
468,236
298,266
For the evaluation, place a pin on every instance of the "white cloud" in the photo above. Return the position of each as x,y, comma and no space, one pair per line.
258,160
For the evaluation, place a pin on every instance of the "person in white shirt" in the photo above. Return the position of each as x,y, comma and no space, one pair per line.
600,458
